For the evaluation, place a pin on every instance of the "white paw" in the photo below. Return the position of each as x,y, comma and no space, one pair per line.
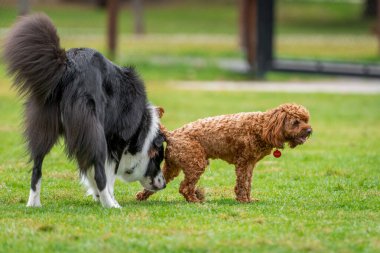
33,205
95,197
117,205
111,205
107,200
34,199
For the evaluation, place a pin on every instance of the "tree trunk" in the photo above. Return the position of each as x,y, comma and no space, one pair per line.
370,8
23,6
138,13
112,9
247,25
378,25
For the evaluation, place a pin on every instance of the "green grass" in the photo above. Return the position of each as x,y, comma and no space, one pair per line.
163,19
321,197
321,17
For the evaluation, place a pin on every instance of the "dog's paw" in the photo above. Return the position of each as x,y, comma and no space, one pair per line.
143,195
200,194
33,205
254,200
116,205
34,199
112,204
107,200
246,200
193,199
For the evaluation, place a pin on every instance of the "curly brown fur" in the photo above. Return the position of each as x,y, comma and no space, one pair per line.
241,139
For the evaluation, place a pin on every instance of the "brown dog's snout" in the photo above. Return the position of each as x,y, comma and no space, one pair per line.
306,132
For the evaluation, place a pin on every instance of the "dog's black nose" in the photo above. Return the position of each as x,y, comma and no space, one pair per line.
309,131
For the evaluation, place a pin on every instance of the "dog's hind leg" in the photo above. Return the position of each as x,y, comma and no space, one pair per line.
41,132
35,185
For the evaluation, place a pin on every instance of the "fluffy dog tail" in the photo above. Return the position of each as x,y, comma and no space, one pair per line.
34,57
166,133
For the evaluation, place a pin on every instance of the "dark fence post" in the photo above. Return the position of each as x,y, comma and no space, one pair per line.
265,30
23,7
378,24
138,13
112,7
248,32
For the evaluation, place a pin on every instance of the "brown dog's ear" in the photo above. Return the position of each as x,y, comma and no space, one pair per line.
160,111
273,128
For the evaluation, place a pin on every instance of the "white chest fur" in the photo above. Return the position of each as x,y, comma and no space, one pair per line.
133,167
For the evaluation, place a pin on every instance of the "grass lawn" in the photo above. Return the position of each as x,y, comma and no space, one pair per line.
320,197
323,196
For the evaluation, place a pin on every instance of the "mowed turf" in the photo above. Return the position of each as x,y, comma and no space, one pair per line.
320,197
323,196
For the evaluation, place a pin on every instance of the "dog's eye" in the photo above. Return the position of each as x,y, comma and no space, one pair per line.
296,123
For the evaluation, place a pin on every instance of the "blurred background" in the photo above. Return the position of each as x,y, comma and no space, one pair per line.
207,40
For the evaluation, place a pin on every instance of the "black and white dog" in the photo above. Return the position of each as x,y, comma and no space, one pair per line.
99,108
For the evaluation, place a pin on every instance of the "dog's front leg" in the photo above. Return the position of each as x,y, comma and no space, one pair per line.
243,182
101,182
111,177
143,195
88,180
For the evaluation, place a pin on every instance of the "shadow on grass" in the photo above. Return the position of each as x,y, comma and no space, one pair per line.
88,206
163,203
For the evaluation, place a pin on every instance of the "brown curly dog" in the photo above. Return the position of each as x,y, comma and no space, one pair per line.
241,139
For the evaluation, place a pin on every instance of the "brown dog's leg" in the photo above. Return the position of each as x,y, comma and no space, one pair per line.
243,182
143,195
200,194
187,189
188,185
160,111
169,172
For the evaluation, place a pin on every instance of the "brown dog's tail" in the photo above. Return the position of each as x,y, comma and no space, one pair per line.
166,133
160,111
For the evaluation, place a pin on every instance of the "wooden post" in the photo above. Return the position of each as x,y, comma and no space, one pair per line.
23,7
248,29
242,26
378,24
138,13
112,9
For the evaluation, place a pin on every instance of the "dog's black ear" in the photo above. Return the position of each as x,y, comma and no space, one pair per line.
159,140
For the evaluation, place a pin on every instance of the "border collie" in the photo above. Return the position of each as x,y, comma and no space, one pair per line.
99,108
